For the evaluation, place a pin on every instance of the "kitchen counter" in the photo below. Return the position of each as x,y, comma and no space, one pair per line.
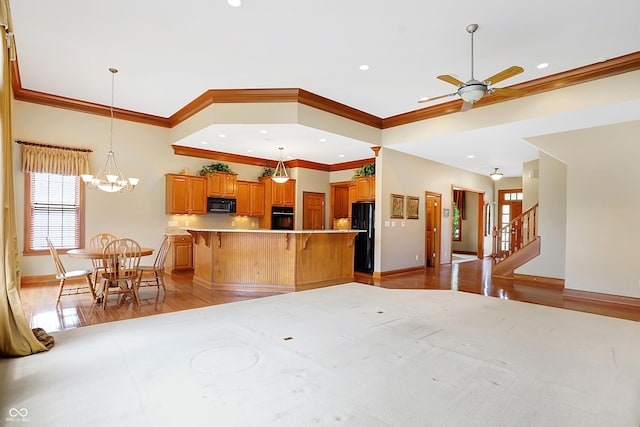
272,260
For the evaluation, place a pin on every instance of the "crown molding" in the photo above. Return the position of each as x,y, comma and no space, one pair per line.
611,67
47,99
600,70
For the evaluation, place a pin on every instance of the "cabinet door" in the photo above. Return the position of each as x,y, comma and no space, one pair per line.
182,258
341,202
277,193
198,195
257,199
365,188
214,184
177,194
230,183
289,193
352,198
243,198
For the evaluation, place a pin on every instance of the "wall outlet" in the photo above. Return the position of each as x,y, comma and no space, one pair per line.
253,224
393,223
401,223
387,223
417,257
186,223
233,223
173,223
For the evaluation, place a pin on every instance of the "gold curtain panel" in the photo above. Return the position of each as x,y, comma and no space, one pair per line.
54,159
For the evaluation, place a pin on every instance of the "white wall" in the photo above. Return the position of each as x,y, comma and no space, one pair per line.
530,176
552,220
399,173
602,206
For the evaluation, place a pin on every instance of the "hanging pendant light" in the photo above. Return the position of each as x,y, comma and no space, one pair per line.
495,175
110,178
280,174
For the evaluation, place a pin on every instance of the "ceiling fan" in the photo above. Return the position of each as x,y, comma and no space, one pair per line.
473,90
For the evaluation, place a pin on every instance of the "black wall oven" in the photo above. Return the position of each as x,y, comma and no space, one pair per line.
281,218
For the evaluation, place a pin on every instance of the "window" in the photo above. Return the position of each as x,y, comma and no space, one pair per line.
54,207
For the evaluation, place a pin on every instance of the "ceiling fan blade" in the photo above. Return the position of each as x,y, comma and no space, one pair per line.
450,79
504,74
438,97
509,92
466,106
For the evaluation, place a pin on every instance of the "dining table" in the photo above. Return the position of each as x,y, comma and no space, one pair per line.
98,253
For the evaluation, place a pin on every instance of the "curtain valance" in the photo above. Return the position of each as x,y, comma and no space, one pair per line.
61,160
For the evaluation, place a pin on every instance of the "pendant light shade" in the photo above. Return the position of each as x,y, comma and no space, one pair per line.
280,174
110,178
495,175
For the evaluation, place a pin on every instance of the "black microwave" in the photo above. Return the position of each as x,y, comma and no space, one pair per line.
220,205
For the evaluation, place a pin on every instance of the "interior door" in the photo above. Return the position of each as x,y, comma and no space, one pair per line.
313,211
432,229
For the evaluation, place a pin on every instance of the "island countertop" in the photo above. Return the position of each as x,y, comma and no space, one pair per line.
272,260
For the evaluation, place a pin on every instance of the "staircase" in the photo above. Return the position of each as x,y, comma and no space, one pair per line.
515,244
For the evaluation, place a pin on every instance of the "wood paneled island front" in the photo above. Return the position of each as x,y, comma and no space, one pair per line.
272,260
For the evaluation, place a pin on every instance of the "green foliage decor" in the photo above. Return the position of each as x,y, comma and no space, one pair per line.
365,170
216,167
267,171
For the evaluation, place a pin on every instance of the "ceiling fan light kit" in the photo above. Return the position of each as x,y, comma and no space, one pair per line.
495,175
473,90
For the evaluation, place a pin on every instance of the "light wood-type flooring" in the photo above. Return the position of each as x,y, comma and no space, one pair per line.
181,294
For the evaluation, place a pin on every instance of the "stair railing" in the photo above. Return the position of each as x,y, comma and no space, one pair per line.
521,231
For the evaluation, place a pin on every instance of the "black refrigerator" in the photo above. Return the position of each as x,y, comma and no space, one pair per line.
362,217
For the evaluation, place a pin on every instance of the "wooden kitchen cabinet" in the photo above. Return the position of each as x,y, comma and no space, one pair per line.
186,194
279,194
250,198
365,188
221,184
181,252
276,195
341,206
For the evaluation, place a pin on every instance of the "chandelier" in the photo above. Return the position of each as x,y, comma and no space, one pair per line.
110,178
280,174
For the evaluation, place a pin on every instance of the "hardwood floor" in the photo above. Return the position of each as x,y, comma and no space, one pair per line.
471,276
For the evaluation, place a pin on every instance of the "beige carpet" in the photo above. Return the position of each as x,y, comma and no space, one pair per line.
349,355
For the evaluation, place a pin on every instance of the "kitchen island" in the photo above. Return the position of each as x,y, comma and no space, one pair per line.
272,260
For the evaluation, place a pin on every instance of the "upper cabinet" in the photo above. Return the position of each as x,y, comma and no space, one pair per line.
221,184
186,194
341,205
250,199
365,188
280,194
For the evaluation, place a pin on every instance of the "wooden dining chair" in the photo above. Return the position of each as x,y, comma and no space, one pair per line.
63,275
157,268
121,259
98,242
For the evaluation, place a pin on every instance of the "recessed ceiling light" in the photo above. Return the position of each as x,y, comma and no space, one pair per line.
263,131
364,67
340,155
234,3
204,142
323,140
424,98
542,65
470,156
249,151
222,136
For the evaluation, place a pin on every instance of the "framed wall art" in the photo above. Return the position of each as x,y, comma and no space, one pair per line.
397,206
413,204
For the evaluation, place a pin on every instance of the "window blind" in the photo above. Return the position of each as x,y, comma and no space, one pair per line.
55,211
